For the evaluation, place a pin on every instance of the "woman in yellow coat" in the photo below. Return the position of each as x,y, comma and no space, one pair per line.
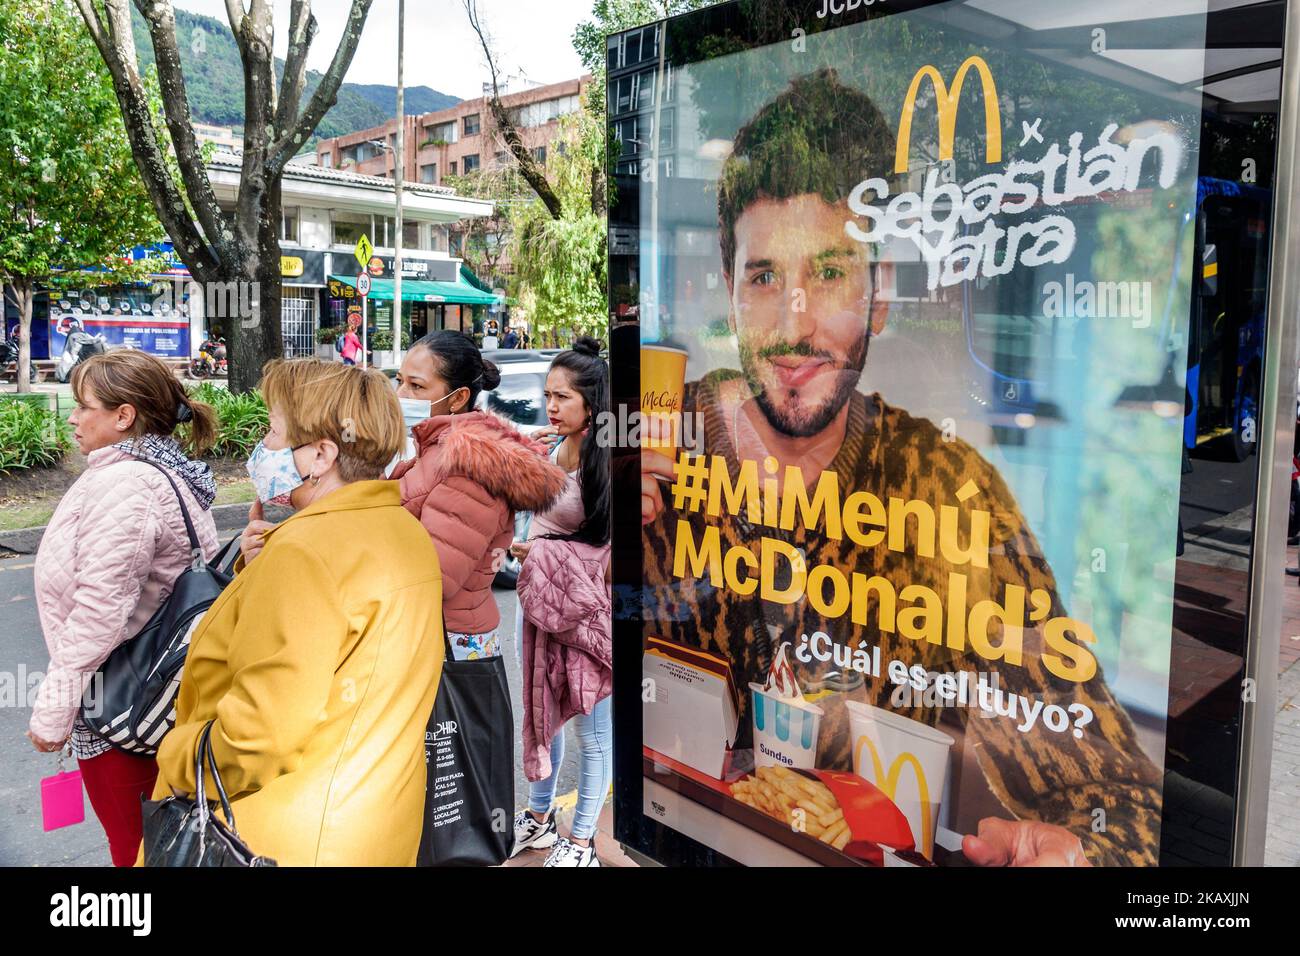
319,663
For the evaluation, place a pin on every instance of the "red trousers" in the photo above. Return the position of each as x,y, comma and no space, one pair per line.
115,782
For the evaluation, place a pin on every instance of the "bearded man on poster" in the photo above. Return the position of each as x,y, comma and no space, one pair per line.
805,301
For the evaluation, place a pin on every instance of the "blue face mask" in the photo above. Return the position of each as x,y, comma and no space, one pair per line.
415,410
274,473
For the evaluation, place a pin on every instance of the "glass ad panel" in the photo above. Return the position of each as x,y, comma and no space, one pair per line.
927,313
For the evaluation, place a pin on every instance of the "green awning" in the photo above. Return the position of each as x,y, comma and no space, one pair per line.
422,290
467,275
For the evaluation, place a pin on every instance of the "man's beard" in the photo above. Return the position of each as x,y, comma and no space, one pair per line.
793,418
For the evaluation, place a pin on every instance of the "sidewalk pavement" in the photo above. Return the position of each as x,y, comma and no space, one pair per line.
608,850
229,519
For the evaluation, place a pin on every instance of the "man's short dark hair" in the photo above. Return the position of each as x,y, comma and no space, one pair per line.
819,136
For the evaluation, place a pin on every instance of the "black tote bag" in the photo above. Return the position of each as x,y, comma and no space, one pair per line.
469,752
131,702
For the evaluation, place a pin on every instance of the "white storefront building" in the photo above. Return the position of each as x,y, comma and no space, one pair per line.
325,212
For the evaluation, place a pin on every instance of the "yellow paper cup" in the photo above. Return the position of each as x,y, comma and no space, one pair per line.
906,760
663,383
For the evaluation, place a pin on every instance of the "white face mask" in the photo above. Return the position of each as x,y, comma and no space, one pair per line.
415,410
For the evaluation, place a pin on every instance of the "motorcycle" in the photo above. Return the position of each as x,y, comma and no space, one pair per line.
9,357
77,348
211,359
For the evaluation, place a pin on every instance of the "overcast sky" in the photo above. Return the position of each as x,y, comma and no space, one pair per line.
532,38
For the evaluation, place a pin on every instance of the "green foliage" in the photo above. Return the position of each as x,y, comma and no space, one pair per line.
560,263
31,436
69,189
381,340
485,239
242,419
214,81
326,334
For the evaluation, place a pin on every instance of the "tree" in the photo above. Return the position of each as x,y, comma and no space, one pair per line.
559,261
485,239
236,254
533,172
69,195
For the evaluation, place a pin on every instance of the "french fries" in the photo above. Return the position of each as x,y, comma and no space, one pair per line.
806,806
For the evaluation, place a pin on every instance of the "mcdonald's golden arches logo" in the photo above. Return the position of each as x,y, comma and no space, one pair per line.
887,782
946,102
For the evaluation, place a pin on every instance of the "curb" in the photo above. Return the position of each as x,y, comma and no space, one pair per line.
229,518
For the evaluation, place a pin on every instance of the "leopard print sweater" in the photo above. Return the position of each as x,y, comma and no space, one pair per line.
1052,777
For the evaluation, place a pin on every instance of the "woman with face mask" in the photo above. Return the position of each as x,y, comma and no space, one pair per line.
317,667
474,470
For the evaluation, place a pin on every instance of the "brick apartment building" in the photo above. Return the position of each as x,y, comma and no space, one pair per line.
457,140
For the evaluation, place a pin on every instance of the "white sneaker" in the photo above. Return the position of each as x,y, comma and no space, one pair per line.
529,833
568,853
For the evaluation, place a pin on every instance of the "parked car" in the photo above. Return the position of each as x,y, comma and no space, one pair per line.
519,399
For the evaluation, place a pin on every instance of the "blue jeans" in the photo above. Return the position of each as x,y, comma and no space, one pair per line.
595,733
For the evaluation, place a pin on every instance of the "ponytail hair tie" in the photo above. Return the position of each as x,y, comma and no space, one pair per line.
183,412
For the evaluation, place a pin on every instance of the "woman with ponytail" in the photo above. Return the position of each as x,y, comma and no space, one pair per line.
110,556
473,471
566,633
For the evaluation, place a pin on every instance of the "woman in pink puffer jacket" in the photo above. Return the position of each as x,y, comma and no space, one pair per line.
109,558
564,602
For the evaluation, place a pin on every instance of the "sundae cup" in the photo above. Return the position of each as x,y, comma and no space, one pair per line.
786,726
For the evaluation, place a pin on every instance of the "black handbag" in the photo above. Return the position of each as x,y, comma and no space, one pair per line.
179,831
131,701
469,752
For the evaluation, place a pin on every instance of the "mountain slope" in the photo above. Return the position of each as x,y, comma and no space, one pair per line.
419,99
214,82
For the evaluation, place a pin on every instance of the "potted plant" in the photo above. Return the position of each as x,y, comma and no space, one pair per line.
325,336
381,348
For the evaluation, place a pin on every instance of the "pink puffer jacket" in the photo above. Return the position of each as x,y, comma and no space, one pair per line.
107,561
568,651
474,472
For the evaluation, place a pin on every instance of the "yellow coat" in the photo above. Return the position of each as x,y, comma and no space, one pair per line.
320,663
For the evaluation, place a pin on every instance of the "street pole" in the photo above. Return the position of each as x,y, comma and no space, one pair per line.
399,174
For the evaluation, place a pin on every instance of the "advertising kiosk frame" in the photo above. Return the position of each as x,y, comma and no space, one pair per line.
1226,612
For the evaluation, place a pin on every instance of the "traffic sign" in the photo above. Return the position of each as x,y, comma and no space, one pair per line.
363,251
363,283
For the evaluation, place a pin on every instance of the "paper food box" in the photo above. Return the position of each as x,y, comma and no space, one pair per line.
689,705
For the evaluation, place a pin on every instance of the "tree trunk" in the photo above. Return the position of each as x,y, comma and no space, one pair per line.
236,258
260,339
23,297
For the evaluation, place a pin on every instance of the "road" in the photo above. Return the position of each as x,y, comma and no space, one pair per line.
23,658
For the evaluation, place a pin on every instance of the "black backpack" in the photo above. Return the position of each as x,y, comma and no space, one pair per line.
131,701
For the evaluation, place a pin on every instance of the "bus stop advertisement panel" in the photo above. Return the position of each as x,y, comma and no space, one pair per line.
962,368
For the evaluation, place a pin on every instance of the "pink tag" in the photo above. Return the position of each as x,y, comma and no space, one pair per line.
62,803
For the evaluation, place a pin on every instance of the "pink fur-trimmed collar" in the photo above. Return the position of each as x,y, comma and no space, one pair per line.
487,449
